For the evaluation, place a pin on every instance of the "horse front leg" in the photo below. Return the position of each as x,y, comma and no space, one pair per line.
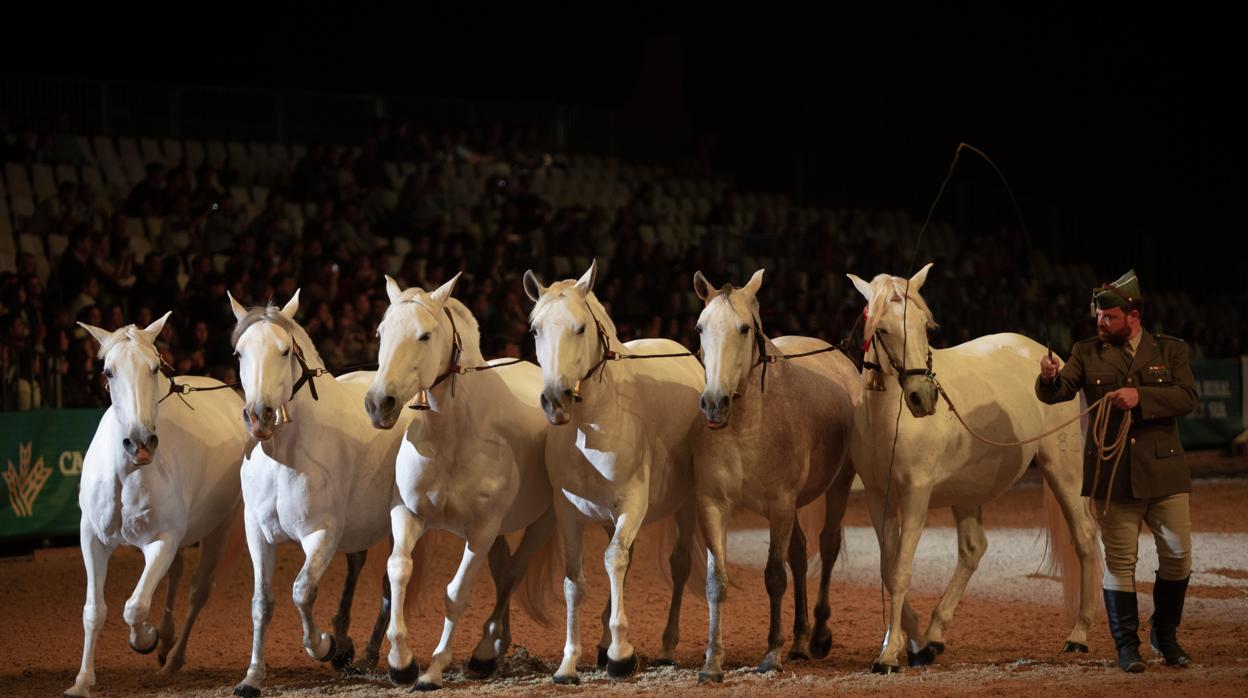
573,590
166,631
406,528
212,548
836,500
621,656
476,549
372,651
263,555
686,522
971,546
95,558
344,649
158,557
713,513
913,516
780,521
318,549
801,616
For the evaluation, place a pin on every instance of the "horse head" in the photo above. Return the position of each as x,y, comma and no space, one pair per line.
897,323
132,368
728,330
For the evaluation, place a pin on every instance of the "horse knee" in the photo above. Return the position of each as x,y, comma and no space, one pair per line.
399,568
93,616
261,609
716,587
972,551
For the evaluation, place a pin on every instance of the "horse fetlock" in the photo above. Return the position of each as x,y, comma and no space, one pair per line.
144,638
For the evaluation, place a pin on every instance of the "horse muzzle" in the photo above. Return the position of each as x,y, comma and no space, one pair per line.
262,421
717,410
920,394
383,410
558,404
140,446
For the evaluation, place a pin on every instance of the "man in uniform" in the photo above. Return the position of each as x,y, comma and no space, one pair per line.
1148,376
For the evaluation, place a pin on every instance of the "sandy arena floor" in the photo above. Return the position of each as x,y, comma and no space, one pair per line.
1004,639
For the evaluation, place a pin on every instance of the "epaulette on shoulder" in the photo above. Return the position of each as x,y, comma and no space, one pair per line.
1168,337
1088,340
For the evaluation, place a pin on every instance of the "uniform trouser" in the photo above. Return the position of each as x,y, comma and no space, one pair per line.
1170,521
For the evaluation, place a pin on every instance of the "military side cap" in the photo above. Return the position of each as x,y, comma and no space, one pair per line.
1122,293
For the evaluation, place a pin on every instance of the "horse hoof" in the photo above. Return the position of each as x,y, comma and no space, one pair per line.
663,662
567,680
769,666
149,650
481,668
246,691
880,668
1075,647
404,677
341,660
821,647
425,686
602,658
333,649
623,668
924,657
710,677
799,654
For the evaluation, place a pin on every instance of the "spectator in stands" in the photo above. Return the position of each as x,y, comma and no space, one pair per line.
148,196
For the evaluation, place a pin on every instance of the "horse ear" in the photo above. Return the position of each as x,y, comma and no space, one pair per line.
755,283
239,311
393,290
152,331
443,292
863,287
99,333
701,286
533,288
292,306
585,284
916,281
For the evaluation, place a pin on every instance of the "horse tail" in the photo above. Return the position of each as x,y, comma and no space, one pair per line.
1060,559
537,588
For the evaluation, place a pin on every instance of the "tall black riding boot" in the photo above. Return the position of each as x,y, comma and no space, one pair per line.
1168,596
1124,625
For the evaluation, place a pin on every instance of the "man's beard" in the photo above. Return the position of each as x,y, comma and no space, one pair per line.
1114,338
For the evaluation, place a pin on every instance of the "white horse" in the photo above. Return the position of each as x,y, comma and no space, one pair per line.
786,445
323,478
156,499
939,463
473,463
620,459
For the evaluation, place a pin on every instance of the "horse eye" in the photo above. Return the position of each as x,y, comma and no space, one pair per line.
425,337
155,370
699,329
744,330
882,331
533,331
286,352
108,373
580,330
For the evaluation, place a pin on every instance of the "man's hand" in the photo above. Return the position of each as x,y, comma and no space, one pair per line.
1048,368
1125,398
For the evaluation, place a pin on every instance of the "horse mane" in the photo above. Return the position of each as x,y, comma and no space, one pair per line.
273,314
559,290
465,322
129,332
885,290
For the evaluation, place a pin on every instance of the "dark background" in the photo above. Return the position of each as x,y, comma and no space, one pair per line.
1119,129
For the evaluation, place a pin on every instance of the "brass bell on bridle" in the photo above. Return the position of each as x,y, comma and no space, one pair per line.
875,380
576,391
422,401
283,417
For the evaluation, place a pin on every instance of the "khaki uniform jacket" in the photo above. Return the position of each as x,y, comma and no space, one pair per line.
1153,464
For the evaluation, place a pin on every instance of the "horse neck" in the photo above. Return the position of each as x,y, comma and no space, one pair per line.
310,355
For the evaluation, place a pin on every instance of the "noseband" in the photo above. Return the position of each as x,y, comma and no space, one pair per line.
902,372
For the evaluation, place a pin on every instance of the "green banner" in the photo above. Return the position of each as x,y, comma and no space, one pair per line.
1219,416
41,456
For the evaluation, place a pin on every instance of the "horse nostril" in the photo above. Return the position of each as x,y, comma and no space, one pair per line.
153,442
127,444
567,393
268,415
723,403
914,397
387,403
704,404
545,401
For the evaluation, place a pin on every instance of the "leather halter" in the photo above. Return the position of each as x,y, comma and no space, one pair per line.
453,369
